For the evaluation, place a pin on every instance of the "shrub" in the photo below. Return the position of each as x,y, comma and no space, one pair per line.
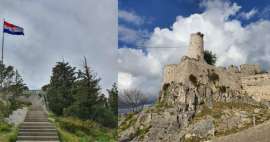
210,57
5,127
166,86
71,124
193,79
72,129
222,89
213,77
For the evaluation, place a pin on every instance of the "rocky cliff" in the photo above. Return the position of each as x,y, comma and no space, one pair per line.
204,103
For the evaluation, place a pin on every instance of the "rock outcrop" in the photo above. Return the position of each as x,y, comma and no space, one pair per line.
197,102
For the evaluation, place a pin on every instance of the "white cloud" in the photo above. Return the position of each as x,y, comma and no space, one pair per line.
248,15
129,35
232,43
124,80
130,17
62,29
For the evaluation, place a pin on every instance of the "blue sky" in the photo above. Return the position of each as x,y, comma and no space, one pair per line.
162,13
238,32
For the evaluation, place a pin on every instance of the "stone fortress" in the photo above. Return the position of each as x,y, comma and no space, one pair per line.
199,102
248,78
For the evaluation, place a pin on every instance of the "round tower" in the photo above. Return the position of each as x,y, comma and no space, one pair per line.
196,49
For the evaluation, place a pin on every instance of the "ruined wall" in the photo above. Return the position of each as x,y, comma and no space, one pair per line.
233,69
196,49
169,73
257,86
250,69
244,78
254,80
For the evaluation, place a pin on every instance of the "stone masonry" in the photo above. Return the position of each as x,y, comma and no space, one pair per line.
246,78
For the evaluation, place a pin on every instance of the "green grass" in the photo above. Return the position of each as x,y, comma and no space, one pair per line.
76,130
8,133
128,121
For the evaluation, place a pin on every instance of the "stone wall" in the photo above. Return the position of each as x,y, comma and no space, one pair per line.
250,69
169,73
233,69
254,80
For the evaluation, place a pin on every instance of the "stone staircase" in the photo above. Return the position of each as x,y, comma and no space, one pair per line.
36,127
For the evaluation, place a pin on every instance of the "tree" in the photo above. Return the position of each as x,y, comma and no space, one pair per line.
113,97
18,86
133,99
210,57
6,76
86,95
59,92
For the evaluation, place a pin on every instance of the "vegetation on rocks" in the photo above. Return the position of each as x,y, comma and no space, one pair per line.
128,121
223,112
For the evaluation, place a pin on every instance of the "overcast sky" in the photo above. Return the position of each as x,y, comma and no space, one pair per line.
61,29
237,32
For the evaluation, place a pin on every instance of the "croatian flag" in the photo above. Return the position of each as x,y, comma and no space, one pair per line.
12,29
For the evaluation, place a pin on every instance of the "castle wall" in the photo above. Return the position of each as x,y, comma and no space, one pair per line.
250,69
169,73
246,78
233,69
196,49
254,80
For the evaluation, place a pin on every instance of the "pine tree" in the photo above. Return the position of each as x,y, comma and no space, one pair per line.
86,95
112,100
18,86
60,88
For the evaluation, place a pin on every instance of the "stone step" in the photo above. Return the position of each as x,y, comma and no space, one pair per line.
37,124
36,127
37,130
40,138
37,134
36,141
36,120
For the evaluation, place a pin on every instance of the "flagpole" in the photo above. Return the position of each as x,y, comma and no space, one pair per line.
3,36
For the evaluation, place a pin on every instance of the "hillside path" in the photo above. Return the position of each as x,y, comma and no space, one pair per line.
259,133
36,127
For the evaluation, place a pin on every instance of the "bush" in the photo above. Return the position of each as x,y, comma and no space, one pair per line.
213,76
71,124
193,79
4,110
83,129
210,57
5,127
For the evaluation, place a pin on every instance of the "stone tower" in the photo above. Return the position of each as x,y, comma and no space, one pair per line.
196,49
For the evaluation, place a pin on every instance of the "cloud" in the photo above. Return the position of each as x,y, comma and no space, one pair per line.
132,36
224,35
248,15
57,30
130,17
